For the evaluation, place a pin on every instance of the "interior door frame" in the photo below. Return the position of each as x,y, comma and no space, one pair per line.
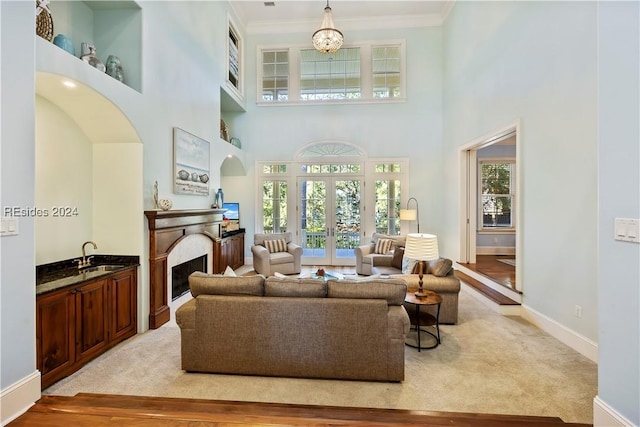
468,219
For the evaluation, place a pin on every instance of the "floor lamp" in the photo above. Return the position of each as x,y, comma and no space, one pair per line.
421,247
411,214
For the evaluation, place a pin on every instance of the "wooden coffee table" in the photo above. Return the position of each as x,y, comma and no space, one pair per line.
426,319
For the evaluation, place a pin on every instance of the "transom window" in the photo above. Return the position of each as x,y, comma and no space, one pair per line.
362,73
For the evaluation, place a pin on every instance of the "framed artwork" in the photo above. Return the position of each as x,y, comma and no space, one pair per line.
191,163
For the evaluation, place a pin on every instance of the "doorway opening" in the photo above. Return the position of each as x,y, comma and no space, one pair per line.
490,217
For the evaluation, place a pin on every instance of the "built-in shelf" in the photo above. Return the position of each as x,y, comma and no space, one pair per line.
113,27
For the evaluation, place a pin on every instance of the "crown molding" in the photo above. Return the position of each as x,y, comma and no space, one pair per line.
373,23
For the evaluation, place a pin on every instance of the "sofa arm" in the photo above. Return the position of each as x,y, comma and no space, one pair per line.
261,263
360,252
186,315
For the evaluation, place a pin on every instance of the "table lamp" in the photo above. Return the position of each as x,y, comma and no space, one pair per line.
421,247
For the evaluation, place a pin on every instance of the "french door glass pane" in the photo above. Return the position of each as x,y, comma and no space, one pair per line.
348,217
313,218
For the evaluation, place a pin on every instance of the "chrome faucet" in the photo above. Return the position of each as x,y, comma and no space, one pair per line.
86,262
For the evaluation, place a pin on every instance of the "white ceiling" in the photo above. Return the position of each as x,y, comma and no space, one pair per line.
293,15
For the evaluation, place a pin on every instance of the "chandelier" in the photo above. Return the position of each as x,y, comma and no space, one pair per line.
327,39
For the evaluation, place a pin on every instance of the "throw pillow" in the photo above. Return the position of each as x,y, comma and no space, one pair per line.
383,246
276,245
396,261
408,265
229,272
442,267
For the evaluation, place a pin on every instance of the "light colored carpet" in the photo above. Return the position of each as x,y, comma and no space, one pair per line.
488,363
508,261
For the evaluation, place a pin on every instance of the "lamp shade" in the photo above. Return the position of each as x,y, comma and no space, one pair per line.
421,247
408,214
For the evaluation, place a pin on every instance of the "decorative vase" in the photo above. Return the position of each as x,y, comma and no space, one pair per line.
89,56
114,68
64,43
219,199
165,204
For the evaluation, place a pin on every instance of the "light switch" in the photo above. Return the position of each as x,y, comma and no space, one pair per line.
627,230
8,226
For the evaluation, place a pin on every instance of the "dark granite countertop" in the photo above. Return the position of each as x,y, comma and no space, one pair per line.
57,275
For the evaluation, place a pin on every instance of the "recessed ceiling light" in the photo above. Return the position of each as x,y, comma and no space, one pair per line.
69,83
269,3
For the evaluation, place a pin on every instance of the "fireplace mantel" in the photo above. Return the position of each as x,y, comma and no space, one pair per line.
166,229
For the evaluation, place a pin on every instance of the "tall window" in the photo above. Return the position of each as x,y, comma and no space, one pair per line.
387,202
497,192
274,200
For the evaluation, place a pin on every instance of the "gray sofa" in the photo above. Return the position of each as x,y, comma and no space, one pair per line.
294,327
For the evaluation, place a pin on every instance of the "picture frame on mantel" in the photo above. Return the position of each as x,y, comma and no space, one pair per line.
192,170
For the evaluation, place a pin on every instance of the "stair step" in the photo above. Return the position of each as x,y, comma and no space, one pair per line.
489,293
86,409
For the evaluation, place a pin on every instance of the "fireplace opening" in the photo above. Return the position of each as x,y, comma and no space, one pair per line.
180,275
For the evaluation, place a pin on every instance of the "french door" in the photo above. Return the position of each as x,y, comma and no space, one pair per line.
329,218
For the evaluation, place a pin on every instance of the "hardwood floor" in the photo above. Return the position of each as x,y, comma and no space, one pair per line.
491,267
84,410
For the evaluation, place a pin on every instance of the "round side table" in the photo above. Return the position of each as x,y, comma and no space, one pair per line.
426,319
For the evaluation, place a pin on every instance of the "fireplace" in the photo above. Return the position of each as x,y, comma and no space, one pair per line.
175,237
180,275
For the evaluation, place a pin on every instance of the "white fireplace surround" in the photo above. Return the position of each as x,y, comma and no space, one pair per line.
190,247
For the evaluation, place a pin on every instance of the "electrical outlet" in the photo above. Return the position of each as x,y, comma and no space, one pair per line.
578,311
495,240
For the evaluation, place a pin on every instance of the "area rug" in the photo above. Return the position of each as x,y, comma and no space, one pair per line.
508,261
487,363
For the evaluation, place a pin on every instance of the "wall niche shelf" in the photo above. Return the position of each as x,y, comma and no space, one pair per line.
113,27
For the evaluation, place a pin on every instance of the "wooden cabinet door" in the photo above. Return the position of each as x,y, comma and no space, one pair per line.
55,339
91,319
123,291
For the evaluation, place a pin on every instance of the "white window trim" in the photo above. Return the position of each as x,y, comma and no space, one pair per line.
366,80
513,182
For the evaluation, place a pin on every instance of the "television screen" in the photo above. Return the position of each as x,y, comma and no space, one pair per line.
233,211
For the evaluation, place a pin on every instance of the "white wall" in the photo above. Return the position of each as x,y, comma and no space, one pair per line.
17,275
63,177
619,197
536,62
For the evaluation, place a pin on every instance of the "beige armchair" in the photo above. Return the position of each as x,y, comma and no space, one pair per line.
276,253
366,258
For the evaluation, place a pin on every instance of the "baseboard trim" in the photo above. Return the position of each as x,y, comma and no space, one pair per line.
579,343
605,416
16,399
495,250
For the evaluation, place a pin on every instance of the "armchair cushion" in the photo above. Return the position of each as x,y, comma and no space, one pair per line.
396,261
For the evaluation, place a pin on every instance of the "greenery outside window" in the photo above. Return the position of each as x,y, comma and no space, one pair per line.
497,193
274,206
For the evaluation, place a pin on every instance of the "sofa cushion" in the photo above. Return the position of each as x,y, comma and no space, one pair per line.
439,267
294,287
276,245
396,261
398,241
383,246
218,284
392,290
259,238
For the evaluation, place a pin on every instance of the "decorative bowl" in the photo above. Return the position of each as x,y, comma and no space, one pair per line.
165,204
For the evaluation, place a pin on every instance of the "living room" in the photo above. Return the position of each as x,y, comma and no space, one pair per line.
553,68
